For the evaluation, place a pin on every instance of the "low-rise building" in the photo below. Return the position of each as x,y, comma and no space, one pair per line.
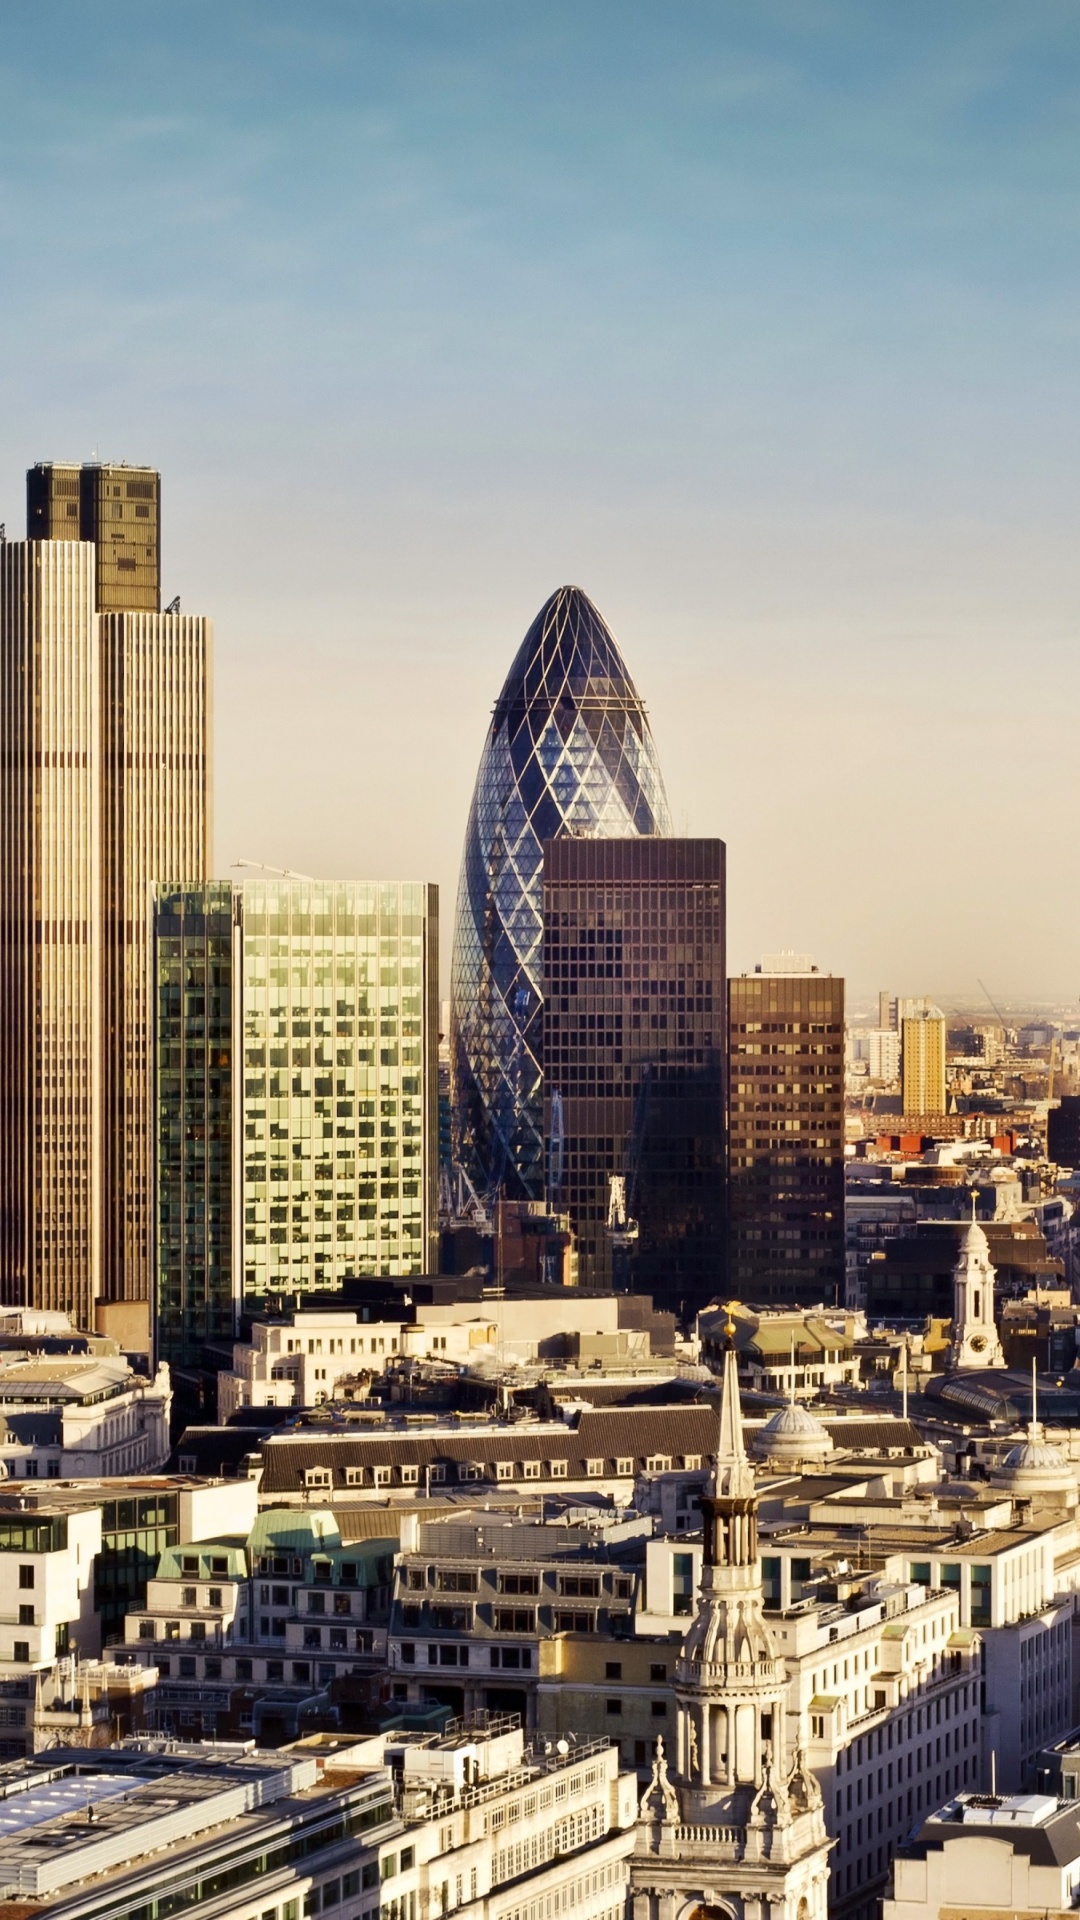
71,1405
987,1854
471,1824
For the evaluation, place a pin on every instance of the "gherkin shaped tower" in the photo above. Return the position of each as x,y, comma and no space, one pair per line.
568,751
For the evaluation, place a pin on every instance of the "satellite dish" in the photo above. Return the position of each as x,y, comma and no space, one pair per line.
563,1747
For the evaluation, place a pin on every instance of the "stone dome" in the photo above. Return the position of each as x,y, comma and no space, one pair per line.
974,1244
792,1434
1034,1467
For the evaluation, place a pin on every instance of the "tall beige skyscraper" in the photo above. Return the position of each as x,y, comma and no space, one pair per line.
105,766
922,1060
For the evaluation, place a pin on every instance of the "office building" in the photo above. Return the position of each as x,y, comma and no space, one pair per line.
1063,1131
114,509
922,1061
634,1053
887,1012
568,751
786,1137
989,1854
296,1088
105,736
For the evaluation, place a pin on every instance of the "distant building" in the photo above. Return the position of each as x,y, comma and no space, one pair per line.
786,1137
296,1093
1063,1131
923,1061
634,1053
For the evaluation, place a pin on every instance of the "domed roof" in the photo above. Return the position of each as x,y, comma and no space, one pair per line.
1033,1453
792,1433
1033,1466
974,1243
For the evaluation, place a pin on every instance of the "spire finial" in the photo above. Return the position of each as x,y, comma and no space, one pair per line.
734,1474
791,1390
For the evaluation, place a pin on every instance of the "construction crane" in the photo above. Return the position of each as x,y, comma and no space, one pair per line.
622,1228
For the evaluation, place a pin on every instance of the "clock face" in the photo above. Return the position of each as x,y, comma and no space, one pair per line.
978,1342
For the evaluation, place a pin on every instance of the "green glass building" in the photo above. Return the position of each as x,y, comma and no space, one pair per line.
296,1094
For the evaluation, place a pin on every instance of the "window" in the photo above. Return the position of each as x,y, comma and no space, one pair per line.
614,1708
557,1469
682,1583
575,1621
515,1620
146,1630
980,1596
243,1670
470,1470
919,1570
189,1596
594,1469
624,1467
26,1577
317,1477
658,1672
504,1469
579,1586
216,1597
26,1616
519,1583
658,1463
410,1476
530,1470
437,1474
659,1709
455,1580
817,1726
613,1670
381,1476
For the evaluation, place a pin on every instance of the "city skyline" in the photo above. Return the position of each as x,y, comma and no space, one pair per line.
758,325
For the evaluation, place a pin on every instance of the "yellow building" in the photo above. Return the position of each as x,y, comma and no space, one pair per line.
923,1061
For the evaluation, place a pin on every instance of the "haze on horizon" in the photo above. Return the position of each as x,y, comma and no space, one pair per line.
758,321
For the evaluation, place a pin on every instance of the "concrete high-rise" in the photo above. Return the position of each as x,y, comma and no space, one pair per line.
105,742
922,1061
634,1055
786,1137
296,1094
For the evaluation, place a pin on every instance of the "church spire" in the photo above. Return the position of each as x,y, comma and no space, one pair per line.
734,1476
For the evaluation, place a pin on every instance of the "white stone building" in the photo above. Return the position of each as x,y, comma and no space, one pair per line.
984,1855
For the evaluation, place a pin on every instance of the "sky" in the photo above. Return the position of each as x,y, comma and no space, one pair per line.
757,321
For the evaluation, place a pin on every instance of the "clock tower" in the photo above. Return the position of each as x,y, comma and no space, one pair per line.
974,1340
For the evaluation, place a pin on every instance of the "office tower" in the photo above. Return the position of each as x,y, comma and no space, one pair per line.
50,901
116,510
148,820
633,1035
786,1138
922,1060
1063,1131
568,751
296,1094
886,1011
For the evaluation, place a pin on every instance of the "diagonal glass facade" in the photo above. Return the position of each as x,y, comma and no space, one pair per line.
569,751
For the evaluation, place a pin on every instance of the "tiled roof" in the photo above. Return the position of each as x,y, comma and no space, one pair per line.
607,1433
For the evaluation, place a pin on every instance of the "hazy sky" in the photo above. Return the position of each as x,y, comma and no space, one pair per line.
759,321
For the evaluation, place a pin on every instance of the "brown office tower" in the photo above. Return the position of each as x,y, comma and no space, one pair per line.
786,1134
115,509
104,750
634,1061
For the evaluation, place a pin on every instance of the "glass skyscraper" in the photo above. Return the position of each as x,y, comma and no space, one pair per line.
568,752
297,1033
634,1048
